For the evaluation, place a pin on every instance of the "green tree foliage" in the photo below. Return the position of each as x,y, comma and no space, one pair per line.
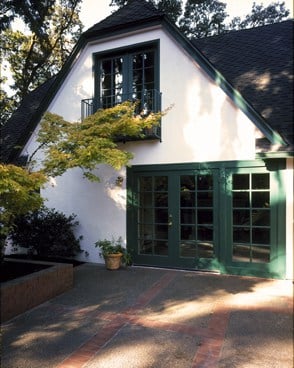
53,28
203,18
32,12
69,145
173,8
46,232
260,15
7,104
19,193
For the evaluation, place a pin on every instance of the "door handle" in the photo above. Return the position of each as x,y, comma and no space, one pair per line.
170,220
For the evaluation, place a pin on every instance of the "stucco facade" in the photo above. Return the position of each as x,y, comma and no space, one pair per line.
204,136
202,125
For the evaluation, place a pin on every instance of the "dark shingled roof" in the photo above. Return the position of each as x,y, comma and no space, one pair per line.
258,62
134,12
20,126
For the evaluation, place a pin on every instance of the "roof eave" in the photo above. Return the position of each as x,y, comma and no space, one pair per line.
120,29
18,149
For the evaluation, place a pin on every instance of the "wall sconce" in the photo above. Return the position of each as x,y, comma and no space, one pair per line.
119,180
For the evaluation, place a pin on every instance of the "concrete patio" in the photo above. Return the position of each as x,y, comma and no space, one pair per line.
144,317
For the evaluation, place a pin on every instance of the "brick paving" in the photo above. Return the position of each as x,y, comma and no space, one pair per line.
207,354
209,336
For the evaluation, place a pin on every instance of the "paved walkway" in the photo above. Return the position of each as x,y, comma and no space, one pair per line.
142,318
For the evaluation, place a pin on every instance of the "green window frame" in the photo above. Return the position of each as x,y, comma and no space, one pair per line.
245,207
128,74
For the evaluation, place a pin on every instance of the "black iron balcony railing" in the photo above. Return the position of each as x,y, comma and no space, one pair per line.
148,101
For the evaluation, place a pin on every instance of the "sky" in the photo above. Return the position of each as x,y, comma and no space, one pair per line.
93,11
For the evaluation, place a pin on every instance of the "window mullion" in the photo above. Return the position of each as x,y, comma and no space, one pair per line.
127,69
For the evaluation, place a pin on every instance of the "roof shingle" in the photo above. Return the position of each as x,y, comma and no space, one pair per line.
258,62
21,124
135,11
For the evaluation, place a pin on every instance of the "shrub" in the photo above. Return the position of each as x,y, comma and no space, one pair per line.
46,232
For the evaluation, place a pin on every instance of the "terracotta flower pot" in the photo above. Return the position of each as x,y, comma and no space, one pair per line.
113,261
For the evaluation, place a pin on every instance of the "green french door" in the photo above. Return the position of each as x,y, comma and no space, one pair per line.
256,225
175,220
227,216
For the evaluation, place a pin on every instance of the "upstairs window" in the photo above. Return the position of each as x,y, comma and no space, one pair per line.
128,74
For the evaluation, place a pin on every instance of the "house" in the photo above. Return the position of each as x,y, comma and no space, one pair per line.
212,187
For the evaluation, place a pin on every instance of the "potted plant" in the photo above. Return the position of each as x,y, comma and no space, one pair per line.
113,253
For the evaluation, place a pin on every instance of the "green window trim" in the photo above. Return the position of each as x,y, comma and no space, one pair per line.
267,236
128,73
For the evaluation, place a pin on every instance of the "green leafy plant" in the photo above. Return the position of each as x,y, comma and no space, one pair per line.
114,246
68,145
46,232
19,193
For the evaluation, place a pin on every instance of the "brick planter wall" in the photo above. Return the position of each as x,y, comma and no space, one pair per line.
24,293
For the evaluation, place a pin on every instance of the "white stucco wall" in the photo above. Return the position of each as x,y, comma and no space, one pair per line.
289,219
203,125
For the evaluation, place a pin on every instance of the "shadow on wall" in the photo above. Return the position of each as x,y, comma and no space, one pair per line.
215,129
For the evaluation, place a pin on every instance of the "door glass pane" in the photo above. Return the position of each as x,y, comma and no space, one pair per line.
260,199
260,181
205,233
161,248
161,232
204,182
251,217
261,217
188,232
161,215
148,59
241,217
205,216
260,235
261,254
145,231
188,216
146,215
161,183
145,246
187,182
111,81
149,78
137,61
187,199
205,250
153,215
161,199
241,253
205,199
143,79
196,201
146,199
241,199
188,248
241,235
145,183
241,181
